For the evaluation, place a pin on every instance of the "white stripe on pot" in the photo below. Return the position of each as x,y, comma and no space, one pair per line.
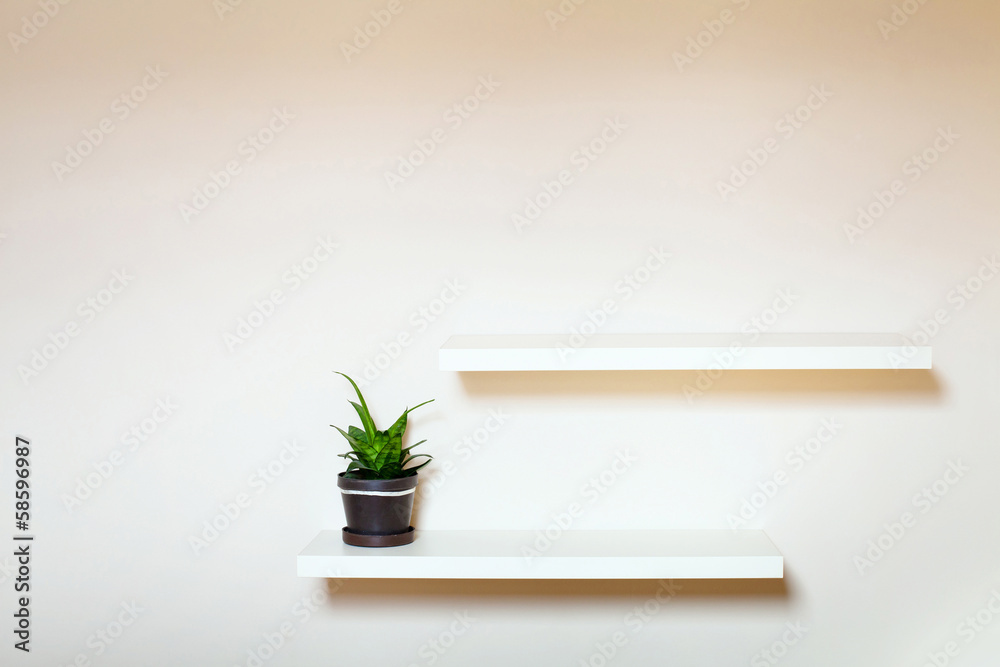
353,492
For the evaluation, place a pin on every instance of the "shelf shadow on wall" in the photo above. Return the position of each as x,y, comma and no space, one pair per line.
688,590
920,384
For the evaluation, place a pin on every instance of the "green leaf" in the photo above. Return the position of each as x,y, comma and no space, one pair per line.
357,434
397,454
414,469
391,471
361,465
365,419
378,454
415,457
356,445
384,450
363,413
363,452
406,451
395,445
400,426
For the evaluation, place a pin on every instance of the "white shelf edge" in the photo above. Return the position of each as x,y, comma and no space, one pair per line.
612,554
684,352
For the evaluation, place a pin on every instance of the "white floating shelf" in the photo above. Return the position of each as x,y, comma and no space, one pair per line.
606,554
640,352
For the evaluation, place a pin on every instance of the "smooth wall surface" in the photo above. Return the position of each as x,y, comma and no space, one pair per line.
207,207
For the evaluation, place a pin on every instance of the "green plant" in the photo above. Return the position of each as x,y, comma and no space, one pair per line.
378,454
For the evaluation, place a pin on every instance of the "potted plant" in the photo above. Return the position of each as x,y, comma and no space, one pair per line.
378,487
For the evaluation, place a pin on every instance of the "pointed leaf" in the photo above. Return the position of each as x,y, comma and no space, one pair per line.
357,433
400,426
417,456
356,445
388,450
366,417
406,451
414,469
362,451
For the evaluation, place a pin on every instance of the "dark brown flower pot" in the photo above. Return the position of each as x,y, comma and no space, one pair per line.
378,510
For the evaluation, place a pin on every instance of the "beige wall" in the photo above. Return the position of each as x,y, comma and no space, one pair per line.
679,129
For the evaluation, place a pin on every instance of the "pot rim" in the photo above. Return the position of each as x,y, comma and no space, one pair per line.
408,483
